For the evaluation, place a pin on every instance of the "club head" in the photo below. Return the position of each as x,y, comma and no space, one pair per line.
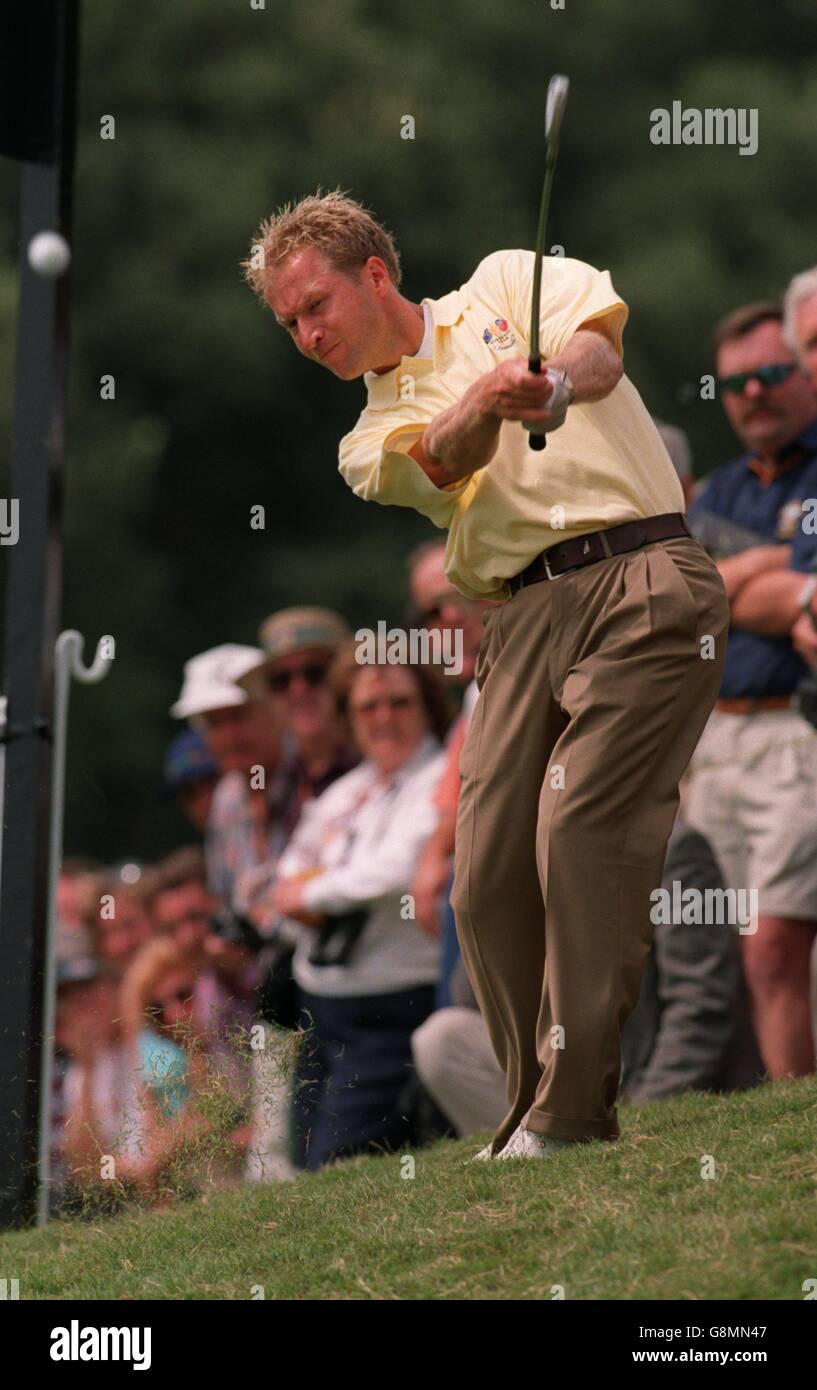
558,88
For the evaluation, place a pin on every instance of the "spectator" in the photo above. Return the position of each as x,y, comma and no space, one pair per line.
191,776
798,608
676,444
456,1062
750,784
246,743
299,644
224,973
99,1093
75,938
116,910
437,604
691,1028
74,1005
174,1080
366,972
800,321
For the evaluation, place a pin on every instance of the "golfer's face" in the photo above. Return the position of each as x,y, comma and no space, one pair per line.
328,314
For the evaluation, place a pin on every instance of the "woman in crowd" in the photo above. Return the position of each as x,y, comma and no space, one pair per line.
183,1102
366,973
98,1090
117,914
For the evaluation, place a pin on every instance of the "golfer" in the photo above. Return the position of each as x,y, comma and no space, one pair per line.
601,663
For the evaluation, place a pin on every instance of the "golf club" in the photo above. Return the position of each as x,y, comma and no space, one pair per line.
558,88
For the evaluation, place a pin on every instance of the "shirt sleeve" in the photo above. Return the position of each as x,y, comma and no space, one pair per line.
378,870
803,553
303,850
375,462
573,293
804,540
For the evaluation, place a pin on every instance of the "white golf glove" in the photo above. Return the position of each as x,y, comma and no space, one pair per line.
557,402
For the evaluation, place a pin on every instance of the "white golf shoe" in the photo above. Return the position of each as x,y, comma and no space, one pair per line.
482,1156
523,1143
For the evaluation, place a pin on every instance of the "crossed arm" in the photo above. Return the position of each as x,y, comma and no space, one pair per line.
762,590
764,597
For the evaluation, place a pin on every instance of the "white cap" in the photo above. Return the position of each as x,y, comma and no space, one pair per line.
209,679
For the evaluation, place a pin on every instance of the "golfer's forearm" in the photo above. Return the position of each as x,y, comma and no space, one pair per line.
592,363
768,604
462,438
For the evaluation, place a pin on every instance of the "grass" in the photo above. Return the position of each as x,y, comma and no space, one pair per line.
633,1220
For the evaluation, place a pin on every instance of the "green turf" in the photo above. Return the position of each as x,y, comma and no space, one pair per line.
631,1220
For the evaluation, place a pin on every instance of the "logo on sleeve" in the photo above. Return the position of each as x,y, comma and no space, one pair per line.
499,335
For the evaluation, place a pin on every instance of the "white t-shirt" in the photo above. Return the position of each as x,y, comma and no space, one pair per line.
361,840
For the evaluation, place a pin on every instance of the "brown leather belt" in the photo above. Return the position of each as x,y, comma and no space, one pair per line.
752,705
600,545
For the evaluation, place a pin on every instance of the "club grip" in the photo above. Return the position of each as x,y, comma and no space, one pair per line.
537,441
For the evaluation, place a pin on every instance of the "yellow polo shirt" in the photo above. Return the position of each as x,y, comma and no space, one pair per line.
607,463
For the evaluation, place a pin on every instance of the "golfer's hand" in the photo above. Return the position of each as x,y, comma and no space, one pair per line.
513,392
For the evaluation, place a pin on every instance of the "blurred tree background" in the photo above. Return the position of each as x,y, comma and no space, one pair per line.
223,112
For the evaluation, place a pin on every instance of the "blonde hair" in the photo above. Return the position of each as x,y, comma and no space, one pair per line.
342,229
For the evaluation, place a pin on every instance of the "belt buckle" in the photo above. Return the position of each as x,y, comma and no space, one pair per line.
570,569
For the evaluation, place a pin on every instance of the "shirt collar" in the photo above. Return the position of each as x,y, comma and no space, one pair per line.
795,453
385,390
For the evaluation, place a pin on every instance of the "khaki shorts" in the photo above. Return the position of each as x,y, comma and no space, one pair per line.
751,789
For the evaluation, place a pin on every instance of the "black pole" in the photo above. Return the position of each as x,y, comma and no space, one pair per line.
39,65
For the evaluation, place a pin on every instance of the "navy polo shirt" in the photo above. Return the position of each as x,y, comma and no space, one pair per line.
804,544
772,507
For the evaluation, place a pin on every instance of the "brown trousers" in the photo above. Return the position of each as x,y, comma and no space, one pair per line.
594,689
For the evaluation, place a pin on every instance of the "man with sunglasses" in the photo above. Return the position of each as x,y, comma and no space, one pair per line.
751,783
299,645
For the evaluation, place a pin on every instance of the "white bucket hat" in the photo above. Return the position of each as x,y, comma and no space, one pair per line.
209,679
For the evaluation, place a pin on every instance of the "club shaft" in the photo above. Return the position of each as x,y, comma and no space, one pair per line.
537,262
539,441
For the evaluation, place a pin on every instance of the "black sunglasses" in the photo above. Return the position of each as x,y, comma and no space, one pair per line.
771,375
314,673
